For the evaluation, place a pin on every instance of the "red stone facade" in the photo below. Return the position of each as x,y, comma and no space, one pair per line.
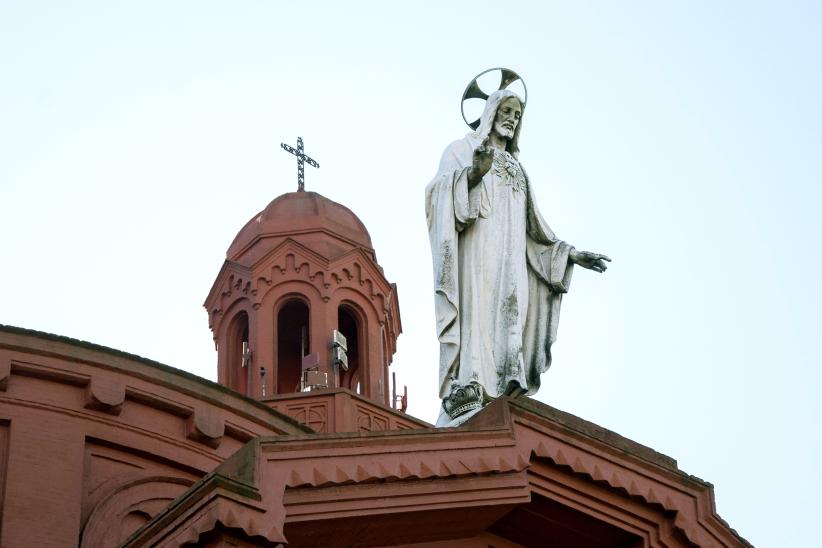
340,410
94,442
99,448
517,474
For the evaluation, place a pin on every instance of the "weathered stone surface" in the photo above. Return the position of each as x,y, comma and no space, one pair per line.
206,426
499,270
341,410
106,395
93,441
518,474
304,248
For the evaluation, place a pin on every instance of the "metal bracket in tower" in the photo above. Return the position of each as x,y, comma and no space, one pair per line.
312,378
262,381
246,354
398,402
339,349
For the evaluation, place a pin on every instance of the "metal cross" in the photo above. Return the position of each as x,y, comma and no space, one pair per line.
301,157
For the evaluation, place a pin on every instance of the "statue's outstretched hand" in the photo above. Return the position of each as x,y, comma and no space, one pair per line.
480,164
589,260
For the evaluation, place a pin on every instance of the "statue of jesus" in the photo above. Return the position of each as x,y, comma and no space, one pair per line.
499,270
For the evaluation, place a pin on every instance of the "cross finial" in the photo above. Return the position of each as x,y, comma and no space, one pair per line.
301,157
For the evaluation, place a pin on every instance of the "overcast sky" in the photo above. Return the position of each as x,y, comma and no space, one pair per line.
682,139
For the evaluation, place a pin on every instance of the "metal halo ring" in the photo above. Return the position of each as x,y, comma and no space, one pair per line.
473,91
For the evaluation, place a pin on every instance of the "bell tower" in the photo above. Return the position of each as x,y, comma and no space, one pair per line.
301,269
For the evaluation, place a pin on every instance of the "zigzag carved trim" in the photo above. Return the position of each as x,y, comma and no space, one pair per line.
634,485
344,470
326,278
321,472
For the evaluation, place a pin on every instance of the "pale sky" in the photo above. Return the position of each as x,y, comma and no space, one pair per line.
683,139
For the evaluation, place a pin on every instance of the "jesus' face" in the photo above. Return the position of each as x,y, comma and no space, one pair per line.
507,118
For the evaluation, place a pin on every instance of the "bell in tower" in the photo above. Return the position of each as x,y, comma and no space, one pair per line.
299,271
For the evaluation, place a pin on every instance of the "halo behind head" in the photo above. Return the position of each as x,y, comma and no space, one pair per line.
473,90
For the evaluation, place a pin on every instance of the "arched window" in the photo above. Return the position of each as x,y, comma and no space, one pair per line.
292,345
349,325
239,354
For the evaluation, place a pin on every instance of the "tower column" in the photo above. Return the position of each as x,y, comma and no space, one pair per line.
323,322
265,351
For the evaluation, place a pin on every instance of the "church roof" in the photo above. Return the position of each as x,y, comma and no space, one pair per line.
33,341
296,212
519,473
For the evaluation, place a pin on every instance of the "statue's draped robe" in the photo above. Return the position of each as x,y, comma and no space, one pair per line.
499,274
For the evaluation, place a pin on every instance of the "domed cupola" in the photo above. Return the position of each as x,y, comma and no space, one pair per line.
329,227
297,271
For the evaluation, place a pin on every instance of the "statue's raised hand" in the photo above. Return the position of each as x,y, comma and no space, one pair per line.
480,164
589,260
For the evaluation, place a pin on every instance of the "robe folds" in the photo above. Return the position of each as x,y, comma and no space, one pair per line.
499,274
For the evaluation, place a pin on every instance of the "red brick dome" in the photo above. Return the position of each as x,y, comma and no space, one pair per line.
300,212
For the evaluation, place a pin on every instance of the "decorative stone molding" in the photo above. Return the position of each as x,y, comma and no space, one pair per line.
315,416
556,454
5,372
110,379
106,395
368,421
112,520
206,427
217,501
337,410
293,267
88,420
291,260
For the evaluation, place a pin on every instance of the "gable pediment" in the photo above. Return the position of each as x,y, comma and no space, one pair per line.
519,471
232,283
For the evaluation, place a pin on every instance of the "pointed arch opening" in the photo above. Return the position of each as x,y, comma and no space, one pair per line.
350,325
239,353
292,344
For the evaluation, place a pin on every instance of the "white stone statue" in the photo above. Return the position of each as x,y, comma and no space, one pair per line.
499,270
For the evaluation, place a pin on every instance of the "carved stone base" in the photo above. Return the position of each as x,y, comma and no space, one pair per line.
462,403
